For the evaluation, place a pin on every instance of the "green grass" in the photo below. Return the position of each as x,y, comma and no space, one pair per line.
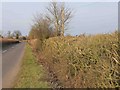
31,73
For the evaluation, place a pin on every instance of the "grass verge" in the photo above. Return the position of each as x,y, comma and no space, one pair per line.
31,73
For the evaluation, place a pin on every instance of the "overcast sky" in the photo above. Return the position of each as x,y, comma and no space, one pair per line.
88,17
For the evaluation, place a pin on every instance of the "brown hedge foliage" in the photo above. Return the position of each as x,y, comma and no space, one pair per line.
85,61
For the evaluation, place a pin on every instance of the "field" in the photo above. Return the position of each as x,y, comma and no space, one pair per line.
8,40
79,62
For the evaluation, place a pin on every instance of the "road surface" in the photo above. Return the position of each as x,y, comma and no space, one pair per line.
11,60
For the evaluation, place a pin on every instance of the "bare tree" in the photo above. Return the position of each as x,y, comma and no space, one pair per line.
54,15
59,16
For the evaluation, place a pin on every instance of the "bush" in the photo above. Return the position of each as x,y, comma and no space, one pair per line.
81,62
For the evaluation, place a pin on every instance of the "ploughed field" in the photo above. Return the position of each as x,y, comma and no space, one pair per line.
7,42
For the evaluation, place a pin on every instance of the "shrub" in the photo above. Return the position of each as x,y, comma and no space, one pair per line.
81,62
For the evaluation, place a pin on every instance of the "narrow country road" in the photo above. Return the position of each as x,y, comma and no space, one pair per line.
11,60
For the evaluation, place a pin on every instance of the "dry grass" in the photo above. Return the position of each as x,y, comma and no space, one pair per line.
8,40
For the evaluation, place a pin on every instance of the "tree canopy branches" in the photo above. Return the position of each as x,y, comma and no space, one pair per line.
52,23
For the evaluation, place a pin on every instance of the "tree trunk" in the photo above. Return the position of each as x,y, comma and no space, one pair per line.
62,21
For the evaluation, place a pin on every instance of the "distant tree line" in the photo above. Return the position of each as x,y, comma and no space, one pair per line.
13,35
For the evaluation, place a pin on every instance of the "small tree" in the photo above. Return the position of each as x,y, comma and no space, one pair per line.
41,28
1,35
17,34
24,38
9,34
